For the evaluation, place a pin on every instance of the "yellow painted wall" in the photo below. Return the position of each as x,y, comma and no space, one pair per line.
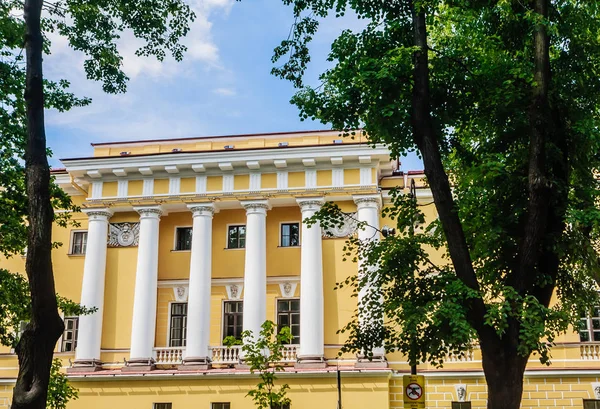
135,187
173,264
161,186
241,182
109,189
296,179
188,185
268,181
351,176
324,178
214,183
227,262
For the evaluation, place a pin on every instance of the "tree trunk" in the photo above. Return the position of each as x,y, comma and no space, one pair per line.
37,344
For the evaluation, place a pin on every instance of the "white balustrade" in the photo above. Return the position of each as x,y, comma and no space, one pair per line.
168,355
225,355
467,357
289,353
590,352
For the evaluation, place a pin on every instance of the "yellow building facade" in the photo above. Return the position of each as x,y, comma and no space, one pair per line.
184,242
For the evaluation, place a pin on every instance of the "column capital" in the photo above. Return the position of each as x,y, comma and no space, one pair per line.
367,201
310,203
202,209
149,212
98,213
256,206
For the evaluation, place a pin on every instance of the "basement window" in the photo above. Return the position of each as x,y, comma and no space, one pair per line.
591,404
220,405
162,405
461,405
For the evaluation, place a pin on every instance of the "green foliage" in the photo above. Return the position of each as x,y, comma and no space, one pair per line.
481,75
263,355
60,391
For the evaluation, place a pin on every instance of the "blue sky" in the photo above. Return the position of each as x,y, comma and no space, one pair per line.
223,86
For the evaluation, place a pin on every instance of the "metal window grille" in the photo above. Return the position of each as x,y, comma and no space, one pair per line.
232,319
79,242
69,338
177,336
589,327
168,405
236,237
288,315
220,405
183,238
290,234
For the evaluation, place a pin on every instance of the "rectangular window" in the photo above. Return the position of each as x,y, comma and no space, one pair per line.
288,315
591,404
162,406
281,406
177,335
232,319
236,237
79,242
461,405
69,338
290,234
183,237
589,328
220,405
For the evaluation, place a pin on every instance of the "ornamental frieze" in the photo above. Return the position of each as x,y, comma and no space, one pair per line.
347,228
123,234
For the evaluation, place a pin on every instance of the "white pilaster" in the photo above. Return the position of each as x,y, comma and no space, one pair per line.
146,280
311,285
368,212
198,329
92,289
255,274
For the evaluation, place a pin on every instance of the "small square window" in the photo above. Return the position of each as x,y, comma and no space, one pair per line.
290,234
591,404
162,405
183,238
220,405
79,242
69,338
236,237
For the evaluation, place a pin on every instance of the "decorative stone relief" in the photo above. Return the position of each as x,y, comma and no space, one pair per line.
234,291
348,228
461,392
123,234
288,289
181,293
596,389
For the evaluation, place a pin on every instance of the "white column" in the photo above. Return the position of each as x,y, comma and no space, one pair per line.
311,285
198,328
368,212
146,280
255,274
92,288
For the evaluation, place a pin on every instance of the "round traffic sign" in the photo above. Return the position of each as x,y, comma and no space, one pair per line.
414,391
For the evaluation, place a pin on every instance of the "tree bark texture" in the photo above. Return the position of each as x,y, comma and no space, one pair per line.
37,343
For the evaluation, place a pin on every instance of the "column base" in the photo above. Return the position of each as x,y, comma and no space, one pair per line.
376,361
139,365
311,362
195,364
85,365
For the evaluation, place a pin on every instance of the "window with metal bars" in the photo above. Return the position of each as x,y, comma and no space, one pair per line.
69,338
290,234
178,332
236,237
79,242
168,405
288,315
232,319
220,405
183,238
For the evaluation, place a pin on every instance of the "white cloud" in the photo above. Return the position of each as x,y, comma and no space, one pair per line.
226,92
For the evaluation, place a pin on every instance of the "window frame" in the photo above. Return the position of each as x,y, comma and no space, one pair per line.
184,338
75,331
281,224
158,405
229,226
72,242
277,300
596,403
589,321
213,405
223,318
176,238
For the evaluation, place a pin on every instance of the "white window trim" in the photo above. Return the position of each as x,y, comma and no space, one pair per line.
175,238
277,314
227,236
168,344
60,340
71,242
223,301
299,234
